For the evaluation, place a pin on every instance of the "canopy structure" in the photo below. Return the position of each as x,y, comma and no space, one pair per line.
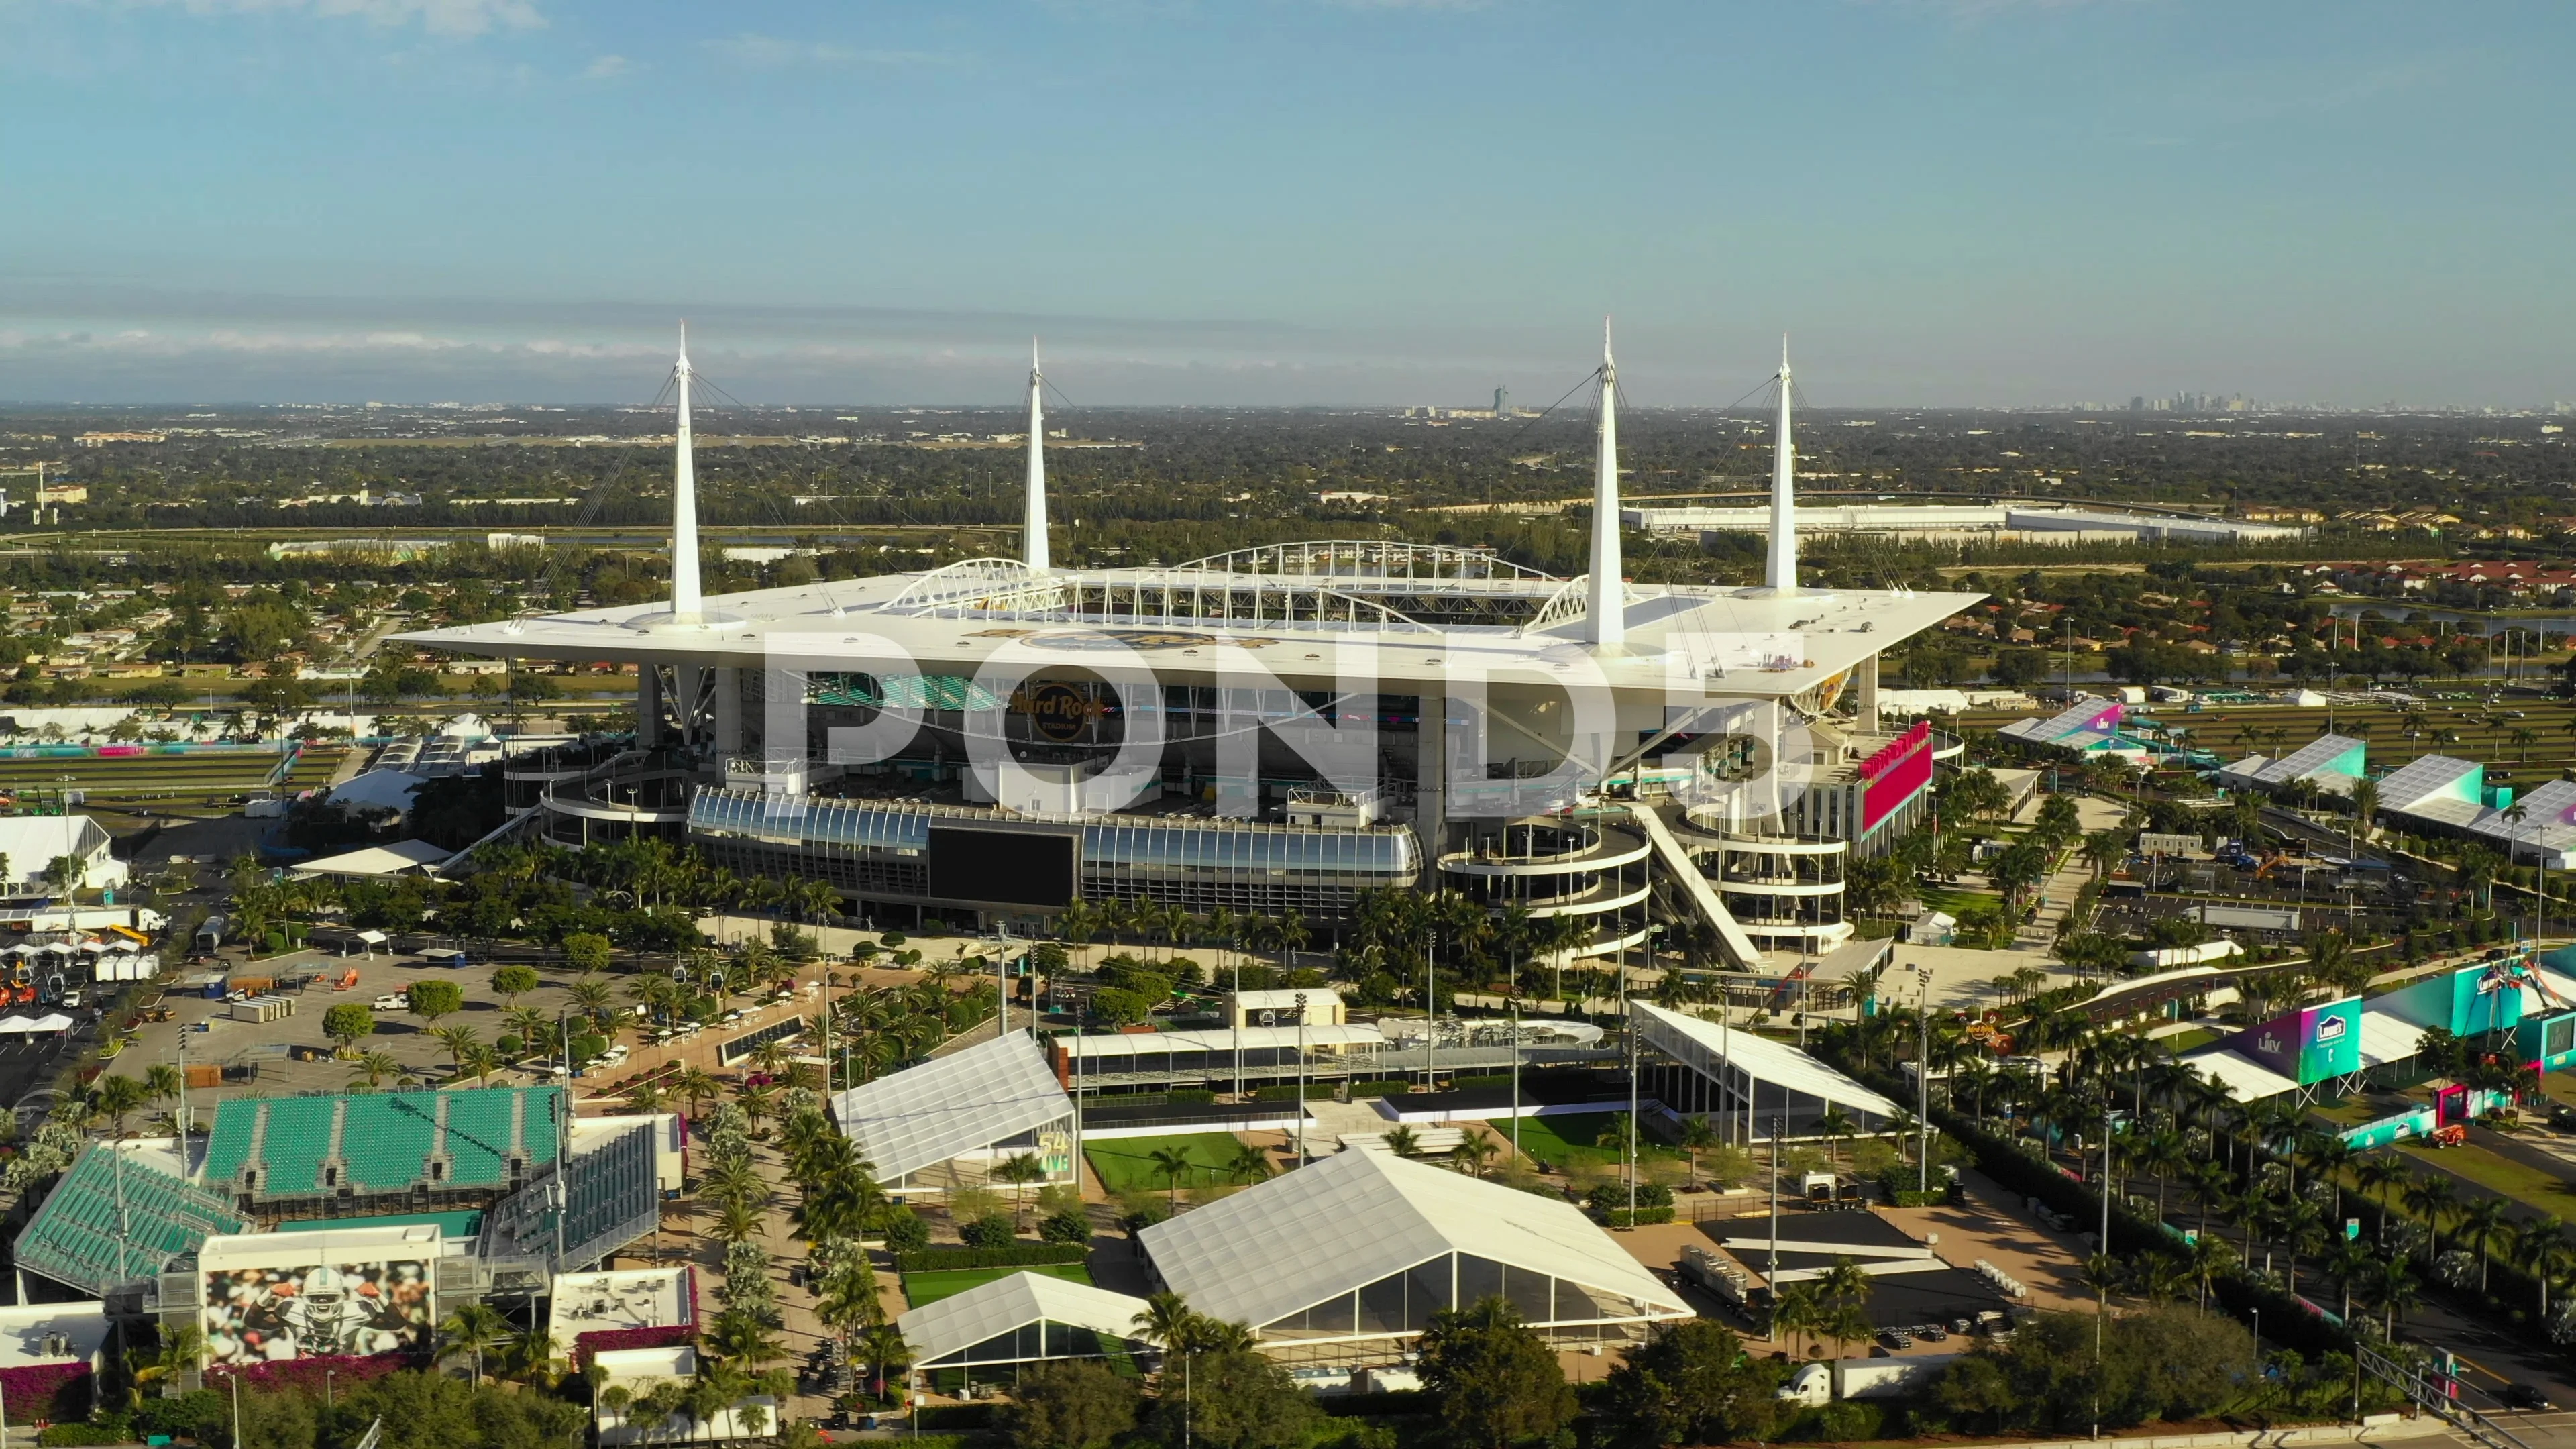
376,862
1753,1086
945,1123
1024,1318
34,1025
2332,762
1338,1260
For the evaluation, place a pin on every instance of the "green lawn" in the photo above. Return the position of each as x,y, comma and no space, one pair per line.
1579,1137
2183,1041
2527,1184
920,1290
1953,901
1127,1164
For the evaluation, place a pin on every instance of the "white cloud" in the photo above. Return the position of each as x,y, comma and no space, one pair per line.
770,52
438,17
607,67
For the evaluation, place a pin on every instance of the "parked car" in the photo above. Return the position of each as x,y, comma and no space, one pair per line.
1895,1338
393,1002
2524,1397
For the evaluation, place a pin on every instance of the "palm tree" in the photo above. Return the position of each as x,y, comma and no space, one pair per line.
883,1346
1836,1128
2392,1289
2350,1264
373,1067
2381,1172
2433,1199
2483,1222
1697,1137
458,1040
1019,1170
1472,1153
1403,1141
2540,1246
118,1096
1249,1163
1796,1311
2206,1257
476,1329
1167,1322
1173,1163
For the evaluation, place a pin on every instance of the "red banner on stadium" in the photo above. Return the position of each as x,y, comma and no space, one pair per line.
1895,775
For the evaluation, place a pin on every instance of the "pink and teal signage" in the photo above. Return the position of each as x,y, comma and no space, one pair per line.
2313,1044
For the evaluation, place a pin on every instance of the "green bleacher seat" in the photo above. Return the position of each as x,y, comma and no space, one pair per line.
236,1122
386,1140
293,1144
478,1137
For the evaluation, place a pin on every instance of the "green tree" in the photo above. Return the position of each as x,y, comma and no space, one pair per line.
1689,1383
588,951
431,1000
1494,1381
1234,1399
1071,1405
348,1023
512,982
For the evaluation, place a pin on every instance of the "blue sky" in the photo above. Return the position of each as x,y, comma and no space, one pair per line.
1285,201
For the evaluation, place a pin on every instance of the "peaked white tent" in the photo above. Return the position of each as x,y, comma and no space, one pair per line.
1024,1318
1360,1250
945,1123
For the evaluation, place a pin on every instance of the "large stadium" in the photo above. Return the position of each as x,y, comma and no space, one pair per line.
1274,730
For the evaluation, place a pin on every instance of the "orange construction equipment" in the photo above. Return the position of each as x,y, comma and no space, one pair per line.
2450,1134
347,979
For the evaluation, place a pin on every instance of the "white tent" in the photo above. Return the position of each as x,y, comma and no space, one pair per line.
1024,1318
1367,1246
989,1100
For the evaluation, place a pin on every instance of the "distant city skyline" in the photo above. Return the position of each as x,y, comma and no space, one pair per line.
2001,203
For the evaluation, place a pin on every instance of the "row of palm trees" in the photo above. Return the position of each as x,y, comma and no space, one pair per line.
2242,1163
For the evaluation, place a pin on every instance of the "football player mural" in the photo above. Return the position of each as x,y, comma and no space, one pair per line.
262,1315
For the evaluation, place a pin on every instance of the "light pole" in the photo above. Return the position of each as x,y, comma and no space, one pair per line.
1923,1079
1301,1079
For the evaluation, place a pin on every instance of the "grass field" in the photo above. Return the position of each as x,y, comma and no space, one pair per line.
920,1290
1127,1165
2526,1184
1580,1137
139,777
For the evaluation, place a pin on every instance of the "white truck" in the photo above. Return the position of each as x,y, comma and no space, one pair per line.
1864,1378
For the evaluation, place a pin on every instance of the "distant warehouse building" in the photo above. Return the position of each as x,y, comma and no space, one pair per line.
1967,522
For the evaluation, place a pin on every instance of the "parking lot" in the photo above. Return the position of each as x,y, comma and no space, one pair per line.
293,1054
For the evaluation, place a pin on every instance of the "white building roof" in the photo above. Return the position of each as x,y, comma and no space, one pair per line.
2245,1079
32,841
1130,1045
397,857
2082,717
2434,777
385,789
1777,1063
992,1309
2309,762
1349,1220
949,1105
2387,1037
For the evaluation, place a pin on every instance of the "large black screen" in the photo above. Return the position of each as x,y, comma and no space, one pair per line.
1004,867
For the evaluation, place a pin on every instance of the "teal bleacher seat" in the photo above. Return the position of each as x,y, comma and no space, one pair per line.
386,1139
478,1137
541,1122
236,1122
294,1143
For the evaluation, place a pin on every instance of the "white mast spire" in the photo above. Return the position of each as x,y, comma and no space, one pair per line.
1033,527
1780,569
1606,598
688,603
